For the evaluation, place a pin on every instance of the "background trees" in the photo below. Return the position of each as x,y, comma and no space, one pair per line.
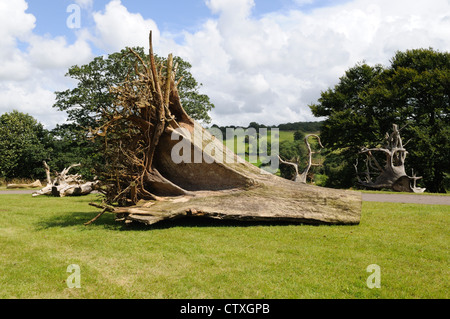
24,143
412,92
85,102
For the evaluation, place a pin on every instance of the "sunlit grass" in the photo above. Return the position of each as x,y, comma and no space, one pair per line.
40,237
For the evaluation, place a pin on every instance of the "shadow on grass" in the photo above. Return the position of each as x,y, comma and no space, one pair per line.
77,219
107,221
193,222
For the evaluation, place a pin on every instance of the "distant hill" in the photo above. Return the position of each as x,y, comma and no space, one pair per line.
307,127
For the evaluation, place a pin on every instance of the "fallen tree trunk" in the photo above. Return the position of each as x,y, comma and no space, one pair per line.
162,165
35,184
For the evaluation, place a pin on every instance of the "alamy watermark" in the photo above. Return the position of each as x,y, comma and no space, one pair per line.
74,19
74,280
374,280
257,147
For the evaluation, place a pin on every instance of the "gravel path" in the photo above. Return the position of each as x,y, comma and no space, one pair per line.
404,198
17,191
390,198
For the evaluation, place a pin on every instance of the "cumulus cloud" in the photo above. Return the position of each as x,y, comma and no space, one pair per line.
32,67
117,28
270,69
266,69
15,26
52,53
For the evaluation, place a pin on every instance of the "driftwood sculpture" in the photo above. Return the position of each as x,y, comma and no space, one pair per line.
301,178
162,165
392,174
65,185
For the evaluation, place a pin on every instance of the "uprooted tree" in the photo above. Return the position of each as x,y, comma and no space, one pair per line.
392,174
64,184
144,180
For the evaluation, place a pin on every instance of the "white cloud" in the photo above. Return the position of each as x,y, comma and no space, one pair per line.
52,53
33,99
269,69
15,26
117,28
265,69
30,75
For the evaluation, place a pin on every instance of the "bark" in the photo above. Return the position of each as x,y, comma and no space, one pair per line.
146,182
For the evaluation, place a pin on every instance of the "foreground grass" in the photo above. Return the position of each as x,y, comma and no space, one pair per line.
40,237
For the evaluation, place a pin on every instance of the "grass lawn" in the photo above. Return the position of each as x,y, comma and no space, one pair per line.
40,237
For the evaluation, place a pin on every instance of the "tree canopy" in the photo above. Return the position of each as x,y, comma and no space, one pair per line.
23,146
413,92
85,102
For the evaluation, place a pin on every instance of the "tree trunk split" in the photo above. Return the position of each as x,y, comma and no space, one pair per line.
144,183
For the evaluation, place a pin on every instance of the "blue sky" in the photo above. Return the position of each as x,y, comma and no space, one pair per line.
170,15
258,60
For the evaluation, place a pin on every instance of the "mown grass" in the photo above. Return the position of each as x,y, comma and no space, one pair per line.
40,237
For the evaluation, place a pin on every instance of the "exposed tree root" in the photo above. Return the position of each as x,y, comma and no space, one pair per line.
162,165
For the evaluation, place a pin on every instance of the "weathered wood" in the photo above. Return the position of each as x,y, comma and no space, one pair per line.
392,175
277,200
144,182
35,184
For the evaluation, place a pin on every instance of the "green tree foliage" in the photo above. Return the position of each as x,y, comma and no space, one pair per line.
70,145
412,92
92,94
24,143
310,127
299,135
95,79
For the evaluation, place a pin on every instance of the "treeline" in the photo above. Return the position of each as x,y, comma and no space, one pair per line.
25,144
306,127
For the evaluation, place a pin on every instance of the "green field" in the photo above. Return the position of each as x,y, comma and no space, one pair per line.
40,237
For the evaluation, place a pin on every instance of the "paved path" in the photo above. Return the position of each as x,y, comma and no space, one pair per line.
405,198
17,191
390,198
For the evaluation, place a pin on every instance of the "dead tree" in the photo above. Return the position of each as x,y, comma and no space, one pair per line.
65,185
143,181
301,178
392,174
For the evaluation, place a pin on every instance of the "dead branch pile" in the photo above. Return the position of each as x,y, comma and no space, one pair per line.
64,184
